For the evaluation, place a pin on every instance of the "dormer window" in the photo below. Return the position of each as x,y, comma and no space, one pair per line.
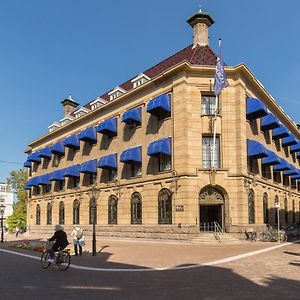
66,120
81,112
97,103
115,93
54,126
139,80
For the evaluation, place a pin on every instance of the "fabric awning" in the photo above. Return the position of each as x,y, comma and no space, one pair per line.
292,171
27,164
45,152
89,167
269,122
43,179
132,116
131,155
256,149
160,146
288,141
280,132
33,181
296,177
108,161
34,157
57,175
27,187
58,148
255,109
88,135
72,171
295,148
284,166
108,127
271,159
158,104
72,142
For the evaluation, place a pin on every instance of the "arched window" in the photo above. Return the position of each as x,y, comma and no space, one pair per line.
286,219
38,215
294,213
76,209
61,213
49,214
251,207
93,211
136,208
276,203
265,208
165,207
112,210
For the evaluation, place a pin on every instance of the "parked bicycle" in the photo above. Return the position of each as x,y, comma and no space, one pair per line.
273,235
62,258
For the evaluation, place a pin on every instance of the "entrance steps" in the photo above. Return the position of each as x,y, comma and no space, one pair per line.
209,238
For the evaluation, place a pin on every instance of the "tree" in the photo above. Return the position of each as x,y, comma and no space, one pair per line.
17,180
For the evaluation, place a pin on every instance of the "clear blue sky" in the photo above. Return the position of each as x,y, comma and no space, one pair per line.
49,49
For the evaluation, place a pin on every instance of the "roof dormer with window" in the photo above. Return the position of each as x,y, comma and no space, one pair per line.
67,119
54,126
81,112
139,80
97,103
115,93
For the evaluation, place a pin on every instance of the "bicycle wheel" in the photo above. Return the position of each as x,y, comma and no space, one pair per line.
262,237
64,260
282,237
44,260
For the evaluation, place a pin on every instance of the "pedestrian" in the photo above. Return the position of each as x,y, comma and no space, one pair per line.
78,239
17,231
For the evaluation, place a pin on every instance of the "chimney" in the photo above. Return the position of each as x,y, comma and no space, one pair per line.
200,22
69,105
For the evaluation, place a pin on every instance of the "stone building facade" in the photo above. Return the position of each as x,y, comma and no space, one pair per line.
137,161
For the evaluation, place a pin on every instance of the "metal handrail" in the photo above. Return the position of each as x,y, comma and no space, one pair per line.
218,231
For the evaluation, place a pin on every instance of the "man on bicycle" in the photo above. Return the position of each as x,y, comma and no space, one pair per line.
61,241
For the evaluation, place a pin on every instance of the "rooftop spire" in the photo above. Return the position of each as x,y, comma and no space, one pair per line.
69,105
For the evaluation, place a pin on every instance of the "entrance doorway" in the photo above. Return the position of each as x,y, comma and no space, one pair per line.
209,214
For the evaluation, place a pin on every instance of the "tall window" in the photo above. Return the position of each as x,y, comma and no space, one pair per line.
61,213
136,208
208,105
165,207
113,210
276,202
61,185
164,162
286,210
136,169
38,215
49,214
207,152
265,208
251,207
74,182
91,178
93,211
112,174
76,212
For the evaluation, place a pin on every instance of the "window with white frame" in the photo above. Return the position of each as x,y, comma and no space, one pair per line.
139,80
207,152
208,105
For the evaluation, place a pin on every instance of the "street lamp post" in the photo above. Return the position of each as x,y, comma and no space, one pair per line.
2,208
277,205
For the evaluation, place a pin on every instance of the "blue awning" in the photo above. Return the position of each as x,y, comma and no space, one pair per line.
292,171
27,187
295,148
280,132
132,155
33,181
72,171
88,135
72,142
27,164
108,127
58,148
45,152
284,166
256,149
296,177
160,103
160,146
132,116
57,175
34,157
108,161
255,109
89,166
271,159
43,179
269,122
288,141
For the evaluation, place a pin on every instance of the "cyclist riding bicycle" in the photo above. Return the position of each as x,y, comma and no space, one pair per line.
61,241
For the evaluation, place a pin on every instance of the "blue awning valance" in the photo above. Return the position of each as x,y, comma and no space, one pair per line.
271,159
27,164
45,152
295,148
256,149
58,148
43,179
72,142
158,104
132,116
27,187
160,146
269,122
131,155
296,177
34,157
108,161
72,171
88,135
280,132
255,109
292,171
108,127
288,141
284,166
57,175
89,167
33,181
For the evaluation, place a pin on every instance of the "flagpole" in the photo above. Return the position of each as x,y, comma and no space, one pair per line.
213,166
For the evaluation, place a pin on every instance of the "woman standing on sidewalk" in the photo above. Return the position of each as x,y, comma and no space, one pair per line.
77,235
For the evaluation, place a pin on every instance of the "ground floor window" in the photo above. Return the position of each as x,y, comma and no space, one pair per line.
165,207
265,208
112,210
61,213
38,215
76,212
136,208
49,214
251,207
93,211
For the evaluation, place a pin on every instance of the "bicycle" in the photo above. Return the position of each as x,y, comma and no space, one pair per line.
62,259
273,235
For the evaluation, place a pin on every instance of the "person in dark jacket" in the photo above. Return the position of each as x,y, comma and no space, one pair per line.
61,241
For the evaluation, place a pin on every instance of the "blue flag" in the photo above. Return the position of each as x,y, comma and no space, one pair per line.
220,77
